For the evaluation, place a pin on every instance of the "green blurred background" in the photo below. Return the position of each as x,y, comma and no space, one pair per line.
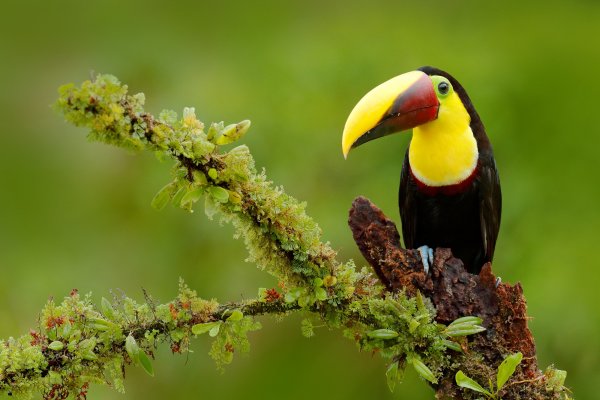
77,215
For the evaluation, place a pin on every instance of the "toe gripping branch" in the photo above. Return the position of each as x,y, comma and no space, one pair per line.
453,291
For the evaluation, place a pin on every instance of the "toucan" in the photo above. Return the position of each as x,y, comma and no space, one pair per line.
449,186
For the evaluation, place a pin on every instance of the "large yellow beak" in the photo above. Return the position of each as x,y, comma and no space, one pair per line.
399,104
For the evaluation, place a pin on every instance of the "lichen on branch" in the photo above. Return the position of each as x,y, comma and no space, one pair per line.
279,235
78,343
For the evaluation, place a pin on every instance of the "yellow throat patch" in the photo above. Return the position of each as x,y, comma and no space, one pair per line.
444,151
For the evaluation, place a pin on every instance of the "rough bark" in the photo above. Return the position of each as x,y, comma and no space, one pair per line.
455,293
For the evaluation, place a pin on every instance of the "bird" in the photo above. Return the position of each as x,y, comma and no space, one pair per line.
449,192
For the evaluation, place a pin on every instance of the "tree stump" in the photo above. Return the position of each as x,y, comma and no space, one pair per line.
454,293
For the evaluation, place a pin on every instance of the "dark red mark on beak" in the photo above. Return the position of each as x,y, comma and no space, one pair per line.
415,106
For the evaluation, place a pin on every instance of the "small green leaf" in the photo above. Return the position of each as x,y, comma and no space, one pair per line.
212,173
317,282
214,330
214,130
233,132
199,329
422,369
56,345
289,297
181,173
176,199
162,198
145,363
459,327
219,194
192,196
66,329
556,378
464,381
132,348
227,129
393,375
234,197
107,308
307,328
382,334
464,330
507,369
87,344
304,300
262,294
100,324
210,207
243,126
89,355
465,326
236,315
321,294
199,177
52,334
470,320
452,345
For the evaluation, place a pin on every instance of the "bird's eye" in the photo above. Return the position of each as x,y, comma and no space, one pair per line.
443,88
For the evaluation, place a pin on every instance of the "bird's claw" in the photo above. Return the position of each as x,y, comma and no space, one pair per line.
426,257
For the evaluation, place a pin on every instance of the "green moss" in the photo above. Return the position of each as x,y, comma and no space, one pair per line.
280,237
232,337
79,343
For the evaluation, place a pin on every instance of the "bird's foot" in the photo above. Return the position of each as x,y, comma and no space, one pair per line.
426,257
498,281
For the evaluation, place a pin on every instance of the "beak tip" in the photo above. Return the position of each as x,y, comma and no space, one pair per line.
345,147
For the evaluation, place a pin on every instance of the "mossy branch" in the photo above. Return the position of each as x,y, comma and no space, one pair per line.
78,343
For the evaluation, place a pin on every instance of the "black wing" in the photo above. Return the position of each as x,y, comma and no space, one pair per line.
408,206
490,205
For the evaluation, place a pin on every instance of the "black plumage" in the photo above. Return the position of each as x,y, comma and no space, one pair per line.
464,217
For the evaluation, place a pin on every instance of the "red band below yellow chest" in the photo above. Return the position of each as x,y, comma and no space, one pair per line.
448,190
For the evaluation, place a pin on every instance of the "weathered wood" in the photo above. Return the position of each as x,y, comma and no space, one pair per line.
455,293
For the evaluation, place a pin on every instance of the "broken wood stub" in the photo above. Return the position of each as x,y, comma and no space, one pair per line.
453,291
